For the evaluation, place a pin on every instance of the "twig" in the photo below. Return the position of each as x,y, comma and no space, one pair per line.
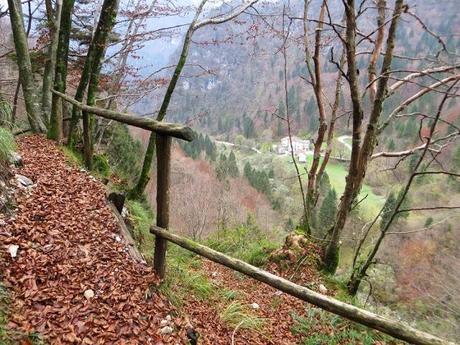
234,331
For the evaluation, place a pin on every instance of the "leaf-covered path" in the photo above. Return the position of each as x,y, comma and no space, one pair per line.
68,244
73,281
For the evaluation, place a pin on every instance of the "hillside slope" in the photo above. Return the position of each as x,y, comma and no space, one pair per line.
69,245
71,279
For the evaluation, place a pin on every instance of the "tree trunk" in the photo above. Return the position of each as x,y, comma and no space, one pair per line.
144,177
318,91
359,272
25,67
82,86
360,154
60,79
331,128
104,27
48,75
370,137
194,25
331,255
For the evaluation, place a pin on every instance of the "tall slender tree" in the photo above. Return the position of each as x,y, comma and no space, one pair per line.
54,21
60,76
99,42
361,152
89,78
29,89
144,177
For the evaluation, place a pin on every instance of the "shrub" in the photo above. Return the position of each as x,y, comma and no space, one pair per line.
428,222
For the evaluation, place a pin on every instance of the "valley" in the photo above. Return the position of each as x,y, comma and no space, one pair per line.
239,172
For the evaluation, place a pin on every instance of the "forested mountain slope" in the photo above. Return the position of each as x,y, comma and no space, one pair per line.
315,141
233,80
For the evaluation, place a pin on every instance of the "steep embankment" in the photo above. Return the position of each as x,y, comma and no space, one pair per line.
72,280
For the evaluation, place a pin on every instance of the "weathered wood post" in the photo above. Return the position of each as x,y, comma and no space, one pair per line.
163,144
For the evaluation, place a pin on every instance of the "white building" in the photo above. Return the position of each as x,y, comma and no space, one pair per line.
299,146
302,157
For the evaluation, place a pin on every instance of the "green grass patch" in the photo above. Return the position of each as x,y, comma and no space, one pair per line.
245,242
229,295
141,218
73,157
184,279
239,315
101,167
337,173
344,332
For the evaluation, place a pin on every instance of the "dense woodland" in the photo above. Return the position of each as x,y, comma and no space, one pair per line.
368,215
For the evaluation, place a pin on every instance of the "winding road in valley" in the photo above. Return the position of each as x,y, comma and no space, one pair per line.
342,139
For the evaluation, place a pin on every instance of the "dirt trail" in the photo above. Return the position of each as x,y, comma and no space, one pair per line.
68,244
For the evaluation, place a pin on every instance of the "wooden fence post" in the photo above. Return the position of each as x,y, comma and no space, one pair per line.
163,144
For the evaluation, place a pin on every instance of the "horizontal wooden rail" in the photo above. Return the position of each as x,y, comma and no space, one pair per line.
394,328
165,128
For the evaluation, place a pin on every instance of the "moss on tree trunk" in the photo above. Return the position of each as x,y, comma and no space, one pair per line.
29,88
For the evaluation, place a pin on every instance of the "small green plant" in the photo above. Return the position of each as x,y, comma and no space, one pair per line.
237,314
36,338
8,336
5,112
228,294
183,278
428,222
101,165
3,316
276,302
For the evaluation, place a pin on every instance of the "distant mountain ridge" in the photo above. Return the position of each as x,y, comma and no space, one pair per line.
233,82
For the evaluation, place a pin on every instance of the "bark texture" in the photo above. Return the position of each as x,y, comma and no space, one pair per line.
99,44
29,88
54,21
360,154
60,75
163,189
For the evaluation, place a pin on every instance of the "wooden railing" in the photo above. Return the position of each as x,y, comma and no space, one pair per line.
165,131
